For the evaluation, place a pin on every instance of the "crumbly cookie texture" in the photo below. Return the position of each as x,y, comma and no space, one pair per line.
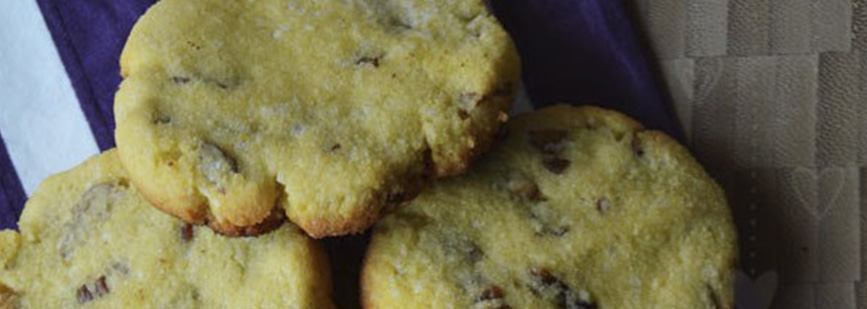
87,239
577,208
339,109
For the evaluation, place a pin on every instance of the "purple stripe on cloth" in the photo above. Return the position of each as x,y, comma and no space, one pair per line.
12,195
585,52
89,35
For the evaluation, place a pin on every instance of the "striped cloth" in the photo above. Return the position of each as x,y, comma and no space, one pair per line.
59,71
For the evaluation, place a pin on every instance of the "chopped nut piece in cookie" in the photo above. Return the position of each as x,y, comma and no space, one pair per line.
120,268
464,115
83,294
180,79
187,232
492,292
551,143
162,119
90,291
548,141
94,207
556,165
215,164
524,189
492,297
602,205
546,285
467,250
545,221
369,60
334,148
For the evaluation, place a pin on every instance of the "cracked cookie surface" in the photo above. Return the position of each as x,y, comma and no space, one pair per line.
575,208
87,239
338,109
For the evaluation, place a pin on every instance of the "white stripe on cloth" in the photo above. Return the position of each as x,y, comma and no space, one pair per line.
42,124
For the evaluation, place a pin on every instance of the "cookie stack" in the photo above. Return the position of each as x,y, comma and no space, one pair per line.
247,129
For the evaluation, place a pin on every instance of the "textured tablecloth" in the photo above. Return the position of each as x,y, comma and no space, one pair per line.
773,97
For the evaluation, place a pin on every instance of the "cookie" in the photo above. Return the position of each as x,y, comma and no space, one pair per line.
577,208
341,109
88,239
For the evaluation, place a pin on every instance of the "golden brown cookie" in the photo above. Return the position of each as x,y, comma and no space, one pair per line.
340,109
577,208
89,240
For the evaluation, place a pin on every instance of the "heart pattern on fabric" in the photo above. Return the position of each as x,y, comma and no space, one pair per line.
806,181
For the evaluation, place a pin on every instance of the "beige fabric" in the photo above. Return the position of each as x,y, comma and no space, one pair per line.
773,97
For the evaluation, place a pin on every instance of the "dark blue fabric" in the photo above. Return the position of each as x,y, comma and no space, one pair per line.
11,192
585,52
89,35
